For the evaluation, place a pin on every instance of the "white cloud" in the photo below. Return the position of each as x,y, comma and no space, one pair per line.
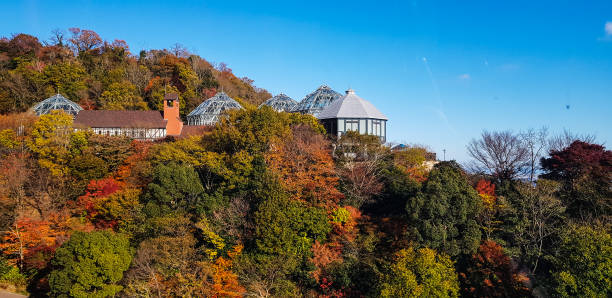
608,28
465,76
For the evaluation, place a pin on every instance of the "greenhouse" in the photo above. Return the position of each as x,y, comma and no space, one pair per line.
316,101
353,113
280,103
207,113
57,102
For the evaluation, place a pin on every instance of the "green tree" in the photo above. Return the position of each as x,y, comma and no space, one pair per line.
583,263
420,273
444,214
173,187
285,231
287,227
90,265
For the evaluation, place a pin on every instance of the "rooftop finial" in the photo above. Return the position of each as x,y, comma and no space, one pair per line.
350,91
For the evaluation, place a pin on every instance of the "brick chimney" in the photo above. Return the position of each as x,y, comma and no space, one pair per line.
174,126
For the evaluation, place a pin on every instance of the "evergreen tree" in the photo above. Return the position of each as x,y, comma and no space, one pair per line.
90,265
444,214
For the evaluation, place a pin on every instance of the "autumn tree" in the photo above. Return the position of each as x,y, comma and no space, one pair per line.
83,40
121,96
51,142
492,274
305,167
30,242
584,171
444,213
411,160
90,264
494,207
420,273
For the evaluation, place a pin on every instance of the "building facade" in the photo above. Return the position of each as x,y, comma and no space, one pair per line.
353,113
139,125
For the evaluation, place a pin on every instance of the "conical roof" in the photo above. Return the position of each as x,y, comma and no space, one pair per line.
314,102
207,113
57,102
280,103
351,106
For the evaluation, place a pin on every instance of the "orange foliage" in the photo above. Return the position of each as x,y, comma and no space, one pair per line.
306,168
28,237
493,275
225,282
134,163
330,252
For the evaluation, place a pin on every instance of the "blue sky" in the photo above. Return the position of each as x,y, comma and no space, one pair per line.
442,71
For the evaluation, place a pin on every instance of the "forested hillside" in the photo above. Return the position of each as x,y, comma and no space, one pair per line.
99,74
265,204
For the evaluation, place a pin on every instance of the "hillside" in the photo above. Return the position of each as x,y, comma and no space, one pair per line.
267,203
100,74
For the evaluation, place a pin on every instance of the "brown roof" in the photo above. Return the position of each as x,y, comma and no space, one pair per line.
119,119
194,130
171,96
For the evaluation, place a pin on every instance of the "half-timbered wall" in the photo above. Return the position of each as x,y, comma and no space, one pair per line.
132,132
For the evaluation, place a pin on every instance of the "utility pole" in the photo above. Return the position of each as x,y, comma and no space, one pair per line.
444,150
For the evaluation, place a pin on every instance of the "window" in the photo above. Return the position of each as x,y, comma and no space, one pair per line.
376,128
351,124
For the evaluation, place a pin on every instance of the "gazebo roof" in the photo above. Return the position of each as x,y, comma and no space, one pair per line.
209,110
316,101
57,102
351,106
280,103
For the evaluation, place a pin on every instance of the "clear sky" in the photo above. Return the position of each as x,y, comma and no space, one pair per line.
442,71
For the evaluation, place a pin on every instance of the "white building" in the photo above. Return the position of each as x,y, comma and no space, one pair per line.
353,113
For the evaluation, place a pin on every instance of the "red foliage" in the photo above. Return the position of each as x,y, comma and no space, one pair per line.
485,187
97,189
492,274
578,159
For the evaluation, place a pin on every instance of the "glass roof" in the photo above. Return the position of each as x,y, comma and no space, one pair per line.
314,102
207,113
280,103
57,102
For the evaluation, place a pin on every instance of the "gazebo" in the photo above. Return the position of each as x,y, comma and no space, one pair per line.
280,103
353,113
208,112
57,102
